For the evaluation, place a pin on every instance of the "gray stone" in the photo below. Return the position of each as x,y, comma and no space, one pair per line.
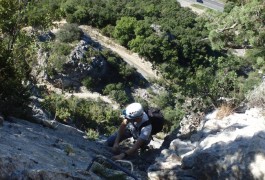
231,148
30,151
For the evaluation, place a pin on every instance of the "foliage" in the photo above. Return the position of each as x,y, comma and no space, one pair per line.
41,14
256,58
229,6
61,49
84,113
15,55
190,51
163,100
124,30
58,53
173,116
69,33
69,149
241,27
56,63
89,82
92,134
108,30
116,91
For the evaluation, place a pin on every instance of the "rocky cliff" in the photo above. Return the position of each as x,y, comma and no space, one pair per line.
228,148
33,151
53,151
212,148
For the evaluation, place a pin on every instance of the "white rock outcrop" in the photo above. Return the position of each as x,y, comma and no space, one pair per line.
228,148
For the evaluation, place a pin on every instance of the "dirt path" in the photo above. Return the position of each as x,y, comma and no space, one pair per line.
142,66
84,94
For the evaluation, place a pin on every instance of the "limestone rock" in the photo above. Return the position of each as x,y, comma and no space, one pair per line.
74,69
230,148
31,151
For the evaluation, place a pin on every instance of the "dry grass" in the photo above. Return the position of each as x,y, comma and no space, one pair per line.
160,135
224,110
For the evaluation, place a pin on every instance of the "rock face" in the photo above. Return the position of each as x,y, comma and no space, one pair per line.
75,68
31,151
230,148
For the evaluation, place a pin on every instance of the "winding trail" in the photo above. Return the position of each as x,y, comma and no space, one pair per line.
84,94
143,67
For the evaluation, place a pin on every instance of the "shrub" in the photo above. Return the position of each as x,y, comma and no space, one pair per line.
86,114
172,117
120,96
163,100
224,110
89,82
69,33
63,114
92,134
116,92
56,62
69,149
107,31
229,6
61,49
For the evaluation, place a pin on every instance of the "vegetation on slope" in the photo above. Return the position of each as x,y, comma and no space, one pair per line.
193,53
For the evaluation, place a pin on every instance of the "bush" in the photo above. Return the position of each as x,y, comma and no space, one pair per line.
56,62
117,92
89,83
86,114
163,100
229,6
61,49
120,96
107,31
92,134
172,117
256,98
14,96
69,33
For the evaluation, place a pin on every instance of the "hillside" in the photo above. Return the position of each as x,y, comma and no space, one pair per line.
234,147
57,151
63,86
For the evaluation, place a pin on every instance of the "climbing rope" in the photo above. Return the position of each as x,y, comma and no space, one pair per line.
114,165
125,161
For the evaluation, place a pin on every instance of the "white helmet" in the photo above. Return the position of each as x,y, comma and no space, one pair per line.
133,111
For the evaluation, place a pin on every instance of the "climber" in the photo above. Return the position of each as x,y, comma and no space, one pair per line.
133,117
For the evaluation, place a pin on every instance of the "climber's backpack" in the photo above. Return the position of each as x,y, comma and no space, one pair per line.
156,118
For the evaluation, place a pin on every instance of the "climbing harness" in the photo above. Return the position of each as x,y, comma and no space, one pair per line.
114,165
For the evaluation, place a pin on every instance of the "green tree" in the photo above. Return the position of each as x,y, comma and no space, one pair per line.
124,30
16,47
242,27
